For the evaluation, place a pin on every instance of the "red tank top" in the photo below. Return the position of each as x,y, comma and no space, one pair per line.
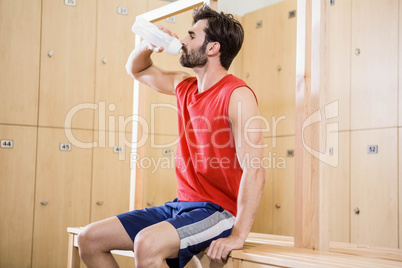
207,168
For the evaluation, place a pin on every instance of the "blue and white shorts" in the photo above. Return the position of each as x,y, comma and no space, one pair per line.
197,223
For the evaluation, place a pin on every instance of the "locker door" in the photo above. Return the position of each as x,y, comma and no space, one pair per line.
339,188
340,57
284,71
374,187
283,184
374,91
19,61
258,54
67,72
400,186
400,64
263,222
115,41
156,166
111,175
17,185
63,193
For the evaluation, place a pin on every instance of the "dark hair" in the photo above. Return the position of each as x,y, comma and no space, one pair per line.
224,29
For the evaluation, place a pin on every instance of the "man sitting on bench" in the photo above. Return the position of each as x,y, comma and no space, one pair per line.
218,161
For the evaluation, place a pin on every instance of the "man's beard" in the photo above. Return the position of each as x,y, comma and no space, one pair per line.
194,58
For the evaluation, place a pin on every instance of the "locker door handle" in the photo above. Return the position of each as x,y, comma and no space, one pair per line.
99,203
44,202
50,53
357,51
356,211
278,205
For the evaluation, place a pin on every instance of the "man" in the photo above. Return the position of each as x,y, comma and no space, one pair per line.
218,160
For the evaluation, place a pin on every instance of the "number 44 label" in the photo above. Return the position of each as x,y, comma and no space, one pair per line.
70,3
7,144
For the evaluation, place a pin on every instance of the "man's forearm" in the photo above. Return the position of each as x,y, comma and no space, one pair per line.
139,59
250,192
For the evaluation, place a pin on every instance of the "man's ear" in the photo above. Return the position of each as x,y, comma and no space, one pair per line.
213,48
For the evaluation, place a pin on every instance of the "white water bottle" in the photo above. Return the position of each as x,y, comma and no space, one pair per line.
156,36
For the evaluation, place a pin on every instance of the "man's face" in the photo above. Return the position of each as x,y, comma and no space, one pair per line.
194,47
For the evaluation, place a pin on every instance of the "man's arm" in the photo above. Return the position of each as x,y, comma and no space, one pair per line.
140,66
243,112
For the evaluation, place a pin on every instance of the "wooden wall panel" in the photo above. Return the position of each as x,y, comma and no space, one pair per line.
63,180
19,61
17,185
374,91
374,188
67,77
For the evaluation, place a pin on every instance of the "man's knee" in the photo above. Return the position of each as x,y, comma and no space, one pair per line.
146,249
87,240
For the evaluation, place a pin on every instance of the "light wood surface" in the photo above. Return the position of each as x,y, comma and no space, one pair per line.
374,92
114,43
19,68
67,78
374,187
63,180
17,185
261,251
283,185
110,176
340,57
311,189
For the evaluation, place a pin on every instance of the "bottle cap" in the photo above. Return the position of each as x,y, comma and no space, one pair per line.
174,47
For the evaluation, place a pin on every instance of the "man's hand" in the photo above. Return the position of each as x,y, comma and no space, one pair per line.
219,249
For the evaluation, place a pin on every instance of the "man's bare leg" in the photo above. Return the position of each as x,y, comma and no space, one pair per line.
156,243
97,240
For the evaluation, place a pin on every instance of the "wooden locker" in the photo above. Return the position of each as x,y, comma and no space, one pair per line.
400,69
340,57
400,186
258,54
17,185
63,192
263,222
284,83
115,41
374,83
19,61
374,187
157,168
111,174
338,175
67,73
283,164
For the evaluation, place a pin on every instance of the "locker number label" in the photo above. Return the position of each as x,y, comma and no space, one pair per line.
65,146
122,10
118,149
72,3
372,149
9,144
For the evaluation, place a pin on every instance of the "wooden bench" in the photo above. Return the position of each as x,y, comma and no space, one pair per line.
262,251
